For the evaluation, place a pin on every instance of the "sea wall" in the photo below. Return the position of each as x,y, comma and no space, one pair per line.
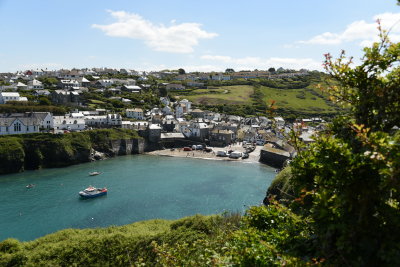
35,151
274,157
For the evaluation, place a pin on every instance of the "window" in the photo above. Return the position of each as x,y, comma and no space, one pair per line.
17,127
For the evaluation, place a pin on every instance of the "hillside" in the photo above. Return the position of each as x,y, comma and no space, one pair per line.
298,95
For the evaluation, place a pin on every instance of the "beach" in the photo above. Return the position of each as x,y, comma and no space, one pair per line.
201,154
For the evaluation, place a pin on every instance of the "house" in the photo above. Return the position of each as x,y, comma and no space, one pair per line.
68,84
165,100
279,122
104,83
83,82
114,120
197,113
41,93
21,86
136,113
97,121
154,132
68,123
220,77
186,104
10,96
65,97
35,85
221,138
167,110
19,125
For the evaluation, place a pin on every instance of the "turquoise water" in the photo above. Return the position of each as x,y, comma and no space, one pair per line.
140,187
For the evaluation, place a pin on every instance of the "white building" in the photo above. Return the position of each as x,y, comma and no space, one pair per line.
67,122
9,96
35,85
20,125
136,113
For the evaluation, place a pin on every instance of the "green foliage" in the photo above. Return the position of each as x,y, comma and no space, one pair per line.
11,155
346,183
34,151
271,236
32,107
197,240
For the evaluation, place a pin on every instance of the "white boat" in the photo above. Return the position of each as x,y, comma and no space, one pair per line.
94,173
92,192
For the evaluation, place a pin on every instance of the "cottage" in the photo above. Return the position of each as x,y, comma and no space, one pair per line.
35,85
221,137
19,125
9,96
154,131
69,123
136,113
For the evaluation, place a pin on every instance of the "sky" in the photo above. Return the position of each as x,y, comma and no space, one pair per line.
193,35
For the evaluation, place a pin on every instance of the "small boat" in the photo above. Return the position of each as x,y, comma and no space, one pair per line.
94,173
92,192
30,186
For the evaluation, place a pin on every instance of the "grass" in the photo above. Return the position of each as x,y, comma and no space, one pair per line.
236,95
297,99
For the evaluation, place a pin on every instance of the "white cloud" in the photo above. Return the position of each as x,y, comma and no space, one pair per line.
176,38
364,32
250,63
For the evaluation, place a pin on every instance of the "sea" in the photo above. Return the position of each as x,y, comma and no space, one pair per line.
140,187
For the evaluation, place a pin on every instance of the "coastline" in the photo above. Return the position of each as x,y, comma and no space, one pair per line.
200,154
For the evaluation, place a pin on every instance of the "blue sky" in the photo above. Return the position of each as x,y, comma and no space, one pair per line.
195,35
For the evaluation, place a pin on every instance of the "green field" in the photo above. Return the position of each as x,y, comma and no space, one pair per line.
236,95
300,100
306,100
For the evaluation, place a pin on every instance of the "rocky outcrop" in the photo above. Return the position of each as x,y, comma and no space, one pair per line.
21,152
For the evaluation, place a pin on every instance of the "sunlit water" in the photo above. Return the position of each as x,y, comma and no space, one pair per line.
140,187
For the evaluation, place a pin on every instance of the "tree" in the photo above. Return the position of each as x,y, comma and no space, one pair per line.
272,70
181,71
229,70
347,183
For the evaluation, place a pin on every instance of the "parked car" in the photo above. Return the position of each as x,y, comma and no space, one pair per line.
245,155
186,148
235,154
199,147
221,153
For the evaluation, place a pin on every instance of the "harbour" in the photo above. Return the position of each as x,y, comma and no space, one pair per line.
140,187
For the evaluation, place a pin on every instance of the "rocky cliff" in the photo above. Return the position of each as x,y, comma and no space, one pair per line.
35,151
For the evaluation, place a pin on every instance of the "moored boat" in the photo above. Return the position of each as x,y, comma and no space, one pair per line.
94,173
92,192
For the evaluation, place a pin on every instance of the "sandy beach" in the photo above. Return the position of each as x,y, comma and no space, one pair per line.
200,154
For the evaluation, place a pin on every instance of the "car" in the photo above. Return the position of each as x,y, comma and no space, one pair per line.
186,148
221,153
235,154
199,147
245,155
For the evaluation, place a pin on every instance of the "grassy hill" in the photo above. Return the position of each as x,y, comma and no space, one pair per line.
291,96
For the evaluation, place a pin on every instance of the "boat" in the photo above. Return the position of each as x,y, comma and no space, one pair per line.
94,173
92,192
30,186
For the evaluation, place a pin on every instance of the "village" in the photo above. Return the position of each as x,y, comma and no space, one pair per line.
172,128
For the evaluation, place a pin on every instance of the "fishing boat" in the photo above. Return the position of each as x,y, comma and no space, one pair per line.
30,186
94,173
92,192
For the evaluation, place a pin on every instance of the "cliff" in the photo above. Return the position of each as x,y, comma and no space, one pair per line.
35,151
